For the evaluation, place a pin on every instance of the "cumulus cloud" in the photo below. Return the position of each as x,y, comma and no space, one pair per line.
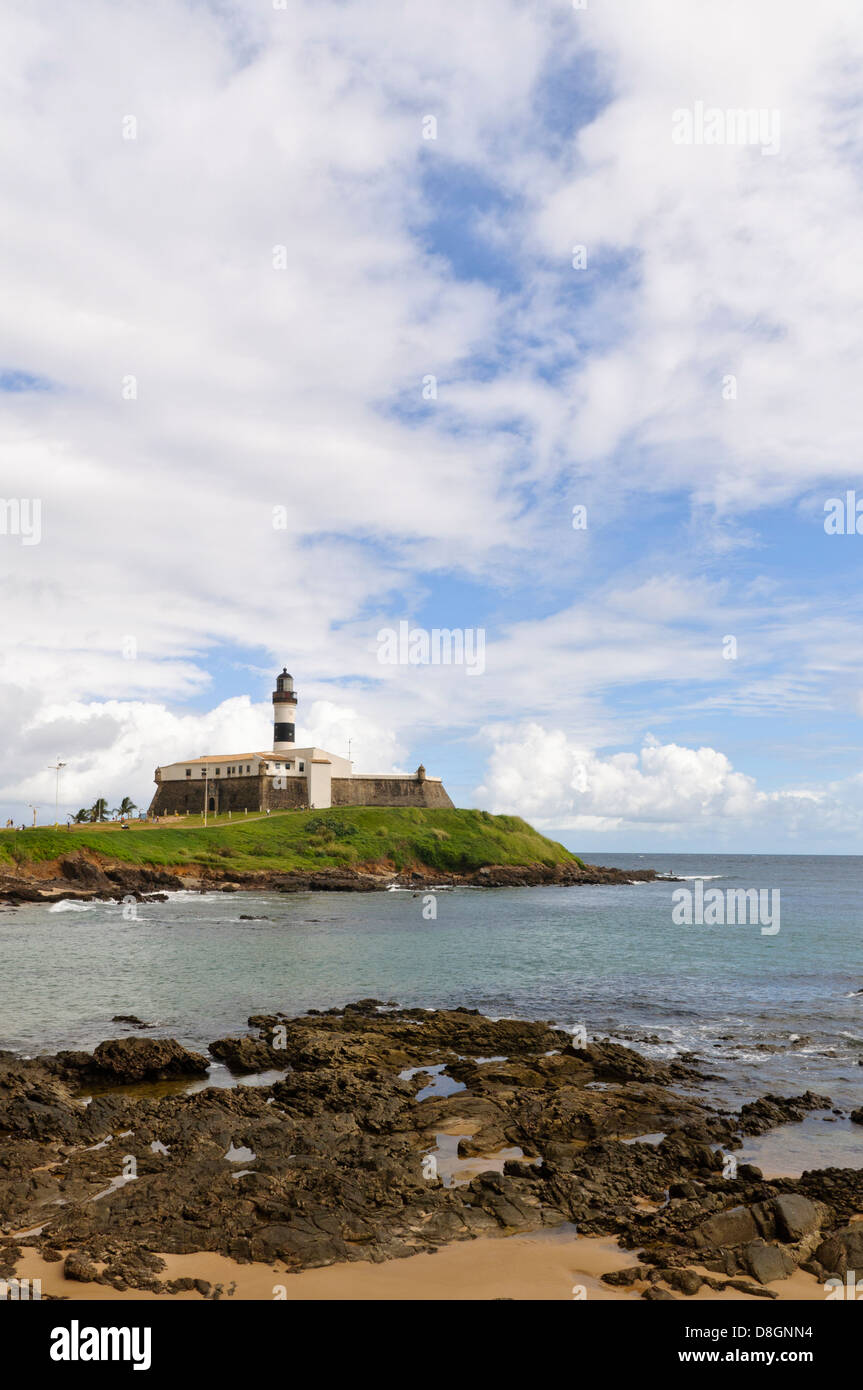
664,789
553,779
114,743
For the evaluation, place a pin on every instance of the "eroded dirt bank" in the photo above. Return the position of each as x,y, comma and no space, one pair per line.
348,1150
86,876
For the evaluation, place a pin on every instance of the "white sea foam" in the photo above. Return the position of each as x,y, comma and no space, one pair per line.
69,905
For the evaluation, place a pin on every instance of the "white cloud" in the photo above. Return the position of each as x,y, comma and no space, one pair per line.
117,744
663,790
258,387
547,776
740,268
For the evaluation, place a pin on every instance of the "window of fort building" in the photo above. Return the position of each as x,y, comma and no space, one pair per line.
188,772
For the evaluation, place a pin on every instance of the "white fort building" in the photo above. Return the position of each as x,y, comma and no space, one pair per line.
285,777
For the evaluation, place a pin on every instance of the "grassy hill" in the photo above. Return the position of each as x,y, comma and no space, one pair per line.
355,836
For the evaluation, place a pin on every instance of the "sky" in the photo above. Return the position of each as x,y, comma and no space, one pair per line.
483,316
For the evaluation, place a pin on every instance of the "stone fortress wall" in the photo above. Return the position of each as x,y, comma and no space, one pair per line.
226,793
240,794
389,791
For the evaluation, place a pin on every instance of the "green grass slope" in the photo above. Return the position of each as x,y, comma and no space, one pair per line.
449,840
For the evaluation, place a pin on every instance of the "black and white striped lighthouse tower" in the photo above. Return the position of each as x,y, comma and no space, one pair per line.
284,705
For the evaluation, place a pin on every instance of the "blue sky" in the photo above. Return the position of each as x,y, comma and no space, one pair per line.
227,291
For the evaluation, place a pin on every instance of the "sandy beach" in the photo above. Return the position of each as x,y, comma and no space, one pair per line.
549,1265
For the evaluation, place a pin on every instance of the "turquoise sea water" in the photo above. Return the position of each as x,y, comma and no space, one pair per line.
766,1012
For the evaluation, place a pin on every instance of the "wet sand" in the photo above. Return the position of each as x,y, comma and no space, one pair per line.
549,1265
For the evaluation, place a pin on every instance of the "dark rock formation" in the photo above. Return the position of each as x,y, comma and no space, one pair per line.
771,1111
344,1163
842,1251
246,1054
84,876
125,1060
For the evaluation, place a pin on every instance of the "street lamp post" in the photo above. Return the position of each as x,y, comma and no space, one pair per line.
56,767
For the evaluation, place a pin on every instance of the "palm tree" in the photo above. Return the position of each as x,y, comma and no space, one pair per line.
125,809
81,817
99,809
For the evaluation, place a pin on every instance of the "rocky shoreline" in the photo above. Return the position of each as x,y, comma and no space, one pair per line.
373,1133
86,877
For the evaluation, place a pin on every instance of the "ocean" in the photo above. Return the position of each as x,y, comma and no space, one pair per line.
764,1012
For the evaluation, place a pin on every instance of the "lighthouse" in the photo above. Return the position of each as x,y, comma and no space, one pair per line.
288,778
284,705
